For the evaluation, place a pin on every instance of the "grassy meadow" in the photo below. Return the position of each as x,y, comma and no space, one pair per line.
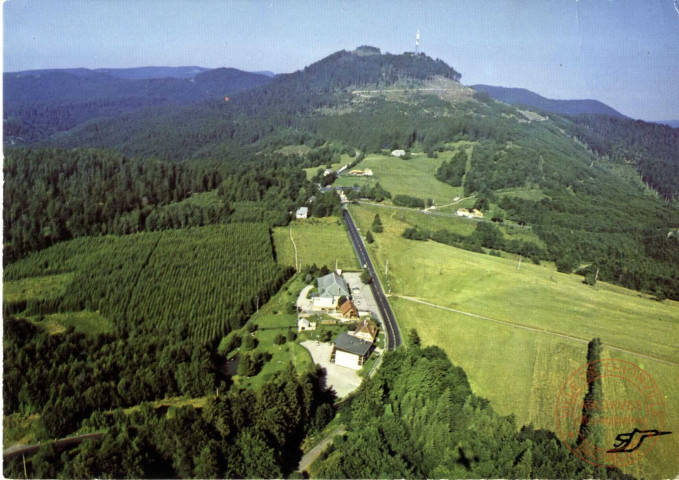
273,318
529,326
318,240
36,288
408,177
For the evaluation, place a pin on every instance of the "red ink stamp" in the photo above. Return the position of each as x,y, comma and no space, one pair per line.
610,413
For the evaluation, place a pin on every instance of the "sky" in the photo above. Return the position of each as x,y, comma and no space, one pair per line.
624,53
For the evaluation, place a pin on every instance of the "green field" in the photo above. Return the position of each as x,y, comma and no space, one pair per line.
318,240
273,318
407,177
462,226
534,329
36,288
91,323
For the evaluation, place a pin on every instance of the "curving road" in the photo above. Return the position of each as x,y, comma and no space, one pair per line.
388,319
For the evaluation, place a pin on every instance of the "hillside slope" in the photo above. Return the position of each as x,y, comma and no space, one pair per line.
521,96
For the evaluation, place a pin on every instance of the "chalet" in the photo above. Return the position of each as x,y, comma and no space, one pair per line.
327,172
302,212
304,325
349,310
398,153
350,351
367,331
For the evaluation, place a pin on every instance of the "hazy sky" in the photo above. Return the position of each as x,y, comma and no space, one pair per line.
622,52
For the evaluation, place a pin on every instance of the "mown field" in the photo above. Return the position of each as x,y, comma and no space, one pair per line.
318,240
408,177
543,320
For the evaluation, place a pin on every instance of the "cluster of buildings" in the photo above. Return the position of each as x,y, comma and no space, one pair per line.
469,213
333,298
361,173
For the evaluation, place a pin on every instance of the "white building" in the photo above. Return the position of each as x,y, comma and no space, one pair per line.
398,153
305,325
469,213
302,212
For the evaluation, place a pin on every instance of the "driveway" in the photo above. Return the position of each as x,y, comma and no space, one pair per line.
342,379
303,303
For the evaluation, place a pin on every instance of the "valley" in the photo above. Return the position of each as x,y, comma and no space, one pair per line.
173,267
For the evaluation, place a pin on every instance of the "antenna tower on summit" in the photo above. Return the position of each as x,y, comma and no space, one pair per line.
417,41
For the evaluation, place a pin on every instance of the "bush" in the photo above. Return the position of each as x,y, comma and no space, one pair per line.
279,339
366,277
369,237
408,201
249,343
413,233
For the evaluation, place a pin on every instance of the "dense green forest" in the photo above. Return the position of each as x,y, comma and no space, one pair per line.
94,374
38,104
651,147
197,283
418,418
52,195
240,434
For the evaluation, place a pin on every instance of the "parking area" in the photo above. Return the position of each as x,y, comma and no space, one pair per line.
362,295
343,380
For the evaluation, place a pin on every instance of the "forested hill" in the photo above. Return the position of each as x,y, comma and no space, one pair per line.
40,103
521,96
279,106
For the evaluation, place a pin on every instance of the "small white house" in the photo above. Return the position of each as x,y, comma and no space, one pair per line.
302,212
341,169
367,172
304,325
327,172
398,153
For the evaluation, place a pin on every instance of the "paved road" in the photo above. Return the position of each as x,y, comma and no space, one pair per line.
313,454
31,449
388,319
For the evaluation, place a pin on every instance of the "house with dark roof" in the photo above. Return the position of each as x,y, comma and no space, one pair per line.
350,351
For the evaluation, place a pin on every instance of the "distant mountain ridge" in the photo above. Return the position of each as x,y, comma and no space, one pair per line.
39,103
669,123
521,96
